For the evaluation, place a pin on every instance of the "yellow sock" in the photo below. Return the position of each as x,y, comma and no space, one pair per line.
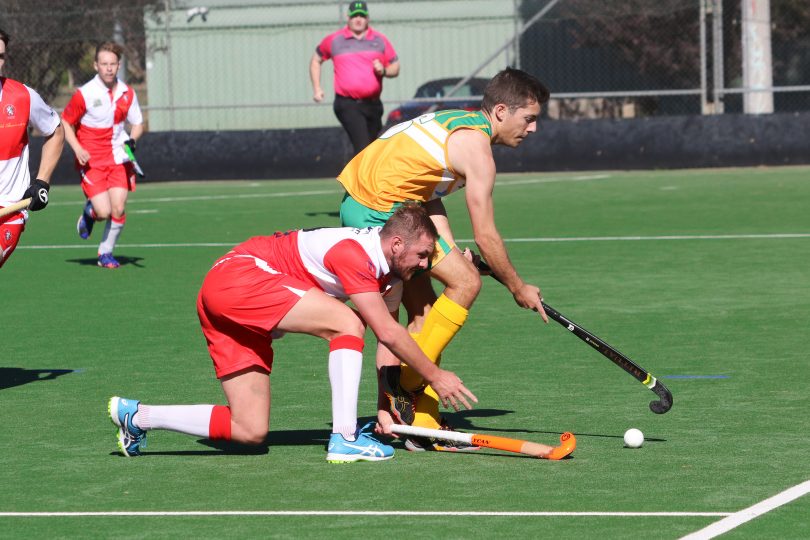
443,321
427,409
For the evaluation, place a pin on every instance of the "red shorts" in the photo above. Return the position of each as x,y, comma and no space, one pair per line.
239,304
97,180
11,228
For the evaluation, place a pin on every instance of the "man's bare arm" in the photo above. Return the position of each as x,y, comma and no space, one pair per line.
315,76
51,151
395,337
471,155
82,155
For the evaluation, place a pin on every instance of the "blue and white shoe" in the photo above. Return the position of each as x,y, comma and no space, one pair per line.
85,224
363,448
131,438
106,260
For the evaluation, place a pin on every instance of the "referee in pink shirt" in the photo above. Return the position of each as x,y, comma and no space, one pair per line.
362,57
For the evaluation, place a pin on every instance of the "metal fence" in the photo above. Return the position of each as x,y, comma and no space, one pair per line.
243,64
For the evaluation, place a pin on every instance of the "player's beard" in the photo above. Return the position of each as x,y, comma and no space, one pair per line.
399,269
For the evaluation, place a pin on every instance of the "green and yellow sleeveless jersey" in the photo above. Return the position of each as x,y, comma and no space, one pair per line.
409,162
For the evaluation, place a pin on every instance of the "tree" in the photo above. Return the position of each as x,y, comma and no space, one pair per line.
660,37
53,41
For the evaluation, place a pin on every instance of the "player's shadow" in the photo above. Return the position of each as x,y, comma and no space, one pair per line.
12,376
328,214
293,437
123,260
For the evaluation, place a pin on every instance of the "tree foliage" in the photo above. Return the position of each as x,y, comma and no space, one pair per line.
661,37
53,41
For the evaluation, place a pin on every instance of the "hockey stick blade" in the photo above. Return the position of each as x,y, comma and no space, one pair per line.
643,376
131,155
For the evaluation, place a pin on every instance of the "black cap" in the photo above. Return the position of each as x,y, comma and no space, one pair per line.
358,8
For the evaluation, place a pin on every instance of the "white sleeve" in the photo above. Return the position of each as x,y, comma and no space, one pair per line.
42,116
134,116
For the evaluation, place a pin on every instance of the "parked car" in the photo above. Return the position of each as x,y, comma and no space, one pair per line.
430,94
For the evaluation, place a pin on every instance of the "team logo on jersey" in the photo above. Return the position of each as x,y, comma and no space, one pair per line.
8,236
97,103
10,111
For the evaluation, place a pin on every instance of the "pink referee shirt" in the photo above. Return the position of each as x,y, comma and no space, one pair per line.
353,59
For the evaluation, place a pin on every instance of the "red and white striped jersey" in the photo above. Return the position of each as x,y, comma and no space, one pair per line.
339,261
20,106
100,113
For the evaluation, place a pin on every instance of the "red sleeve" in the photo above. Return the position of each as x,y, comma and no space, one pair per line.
353,267
324,48
75,109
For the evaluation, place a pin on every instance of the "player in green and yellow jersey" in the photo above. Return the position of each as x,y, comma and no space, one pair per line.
424,160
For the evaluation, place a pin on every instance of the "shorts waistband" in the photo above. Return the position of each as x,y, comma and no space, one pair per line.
357,100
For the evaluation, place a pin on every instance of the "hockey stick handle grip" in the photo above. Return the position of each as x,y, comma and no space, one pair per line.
16,207
506,444
416,431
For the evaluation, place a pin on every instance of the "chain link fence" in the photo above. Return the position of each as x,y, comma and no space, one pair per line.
243,64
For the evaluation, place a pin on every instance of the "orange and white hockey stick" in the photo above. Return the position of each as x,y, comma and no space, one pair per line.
16,207
567,441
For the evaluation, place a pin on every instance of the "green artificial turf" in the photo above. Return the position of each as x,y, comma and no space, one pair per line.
689,273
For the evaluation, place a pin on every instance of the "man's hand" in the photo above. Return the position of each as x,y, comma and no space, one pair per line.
529,297
473,257
384,423
82,156
318,95
379,68
451,390
38,191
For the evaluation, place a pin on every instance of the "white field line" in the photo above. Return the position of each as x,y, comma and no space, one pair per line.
308,193
778,236
738,518
191,198
360,513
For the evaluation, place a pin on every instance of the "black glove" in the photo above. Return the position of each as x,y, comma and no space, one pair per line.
131,144
38,191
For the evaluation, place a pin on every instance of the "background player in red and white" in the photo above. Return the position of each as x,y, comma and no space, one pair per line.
294,282
20,107
94,122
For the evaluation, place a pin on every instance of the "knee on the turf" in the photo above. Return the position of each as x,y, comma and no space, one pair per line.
253,437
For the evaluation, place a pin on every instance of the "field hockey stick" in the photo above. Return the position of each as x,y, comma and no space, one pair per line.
131,156
16,207
646,378
567,441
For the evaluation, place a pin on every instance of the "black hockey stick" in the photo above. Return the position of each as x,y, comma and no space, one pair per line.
643,376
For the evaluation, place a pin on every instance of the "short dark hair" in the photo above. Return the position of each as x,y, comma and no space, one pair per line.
514,88
5,38
410,221
109,46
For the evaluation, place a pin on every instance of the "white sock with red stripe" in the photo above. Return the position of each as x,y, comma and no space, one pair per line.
112,230
345,365
199,420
